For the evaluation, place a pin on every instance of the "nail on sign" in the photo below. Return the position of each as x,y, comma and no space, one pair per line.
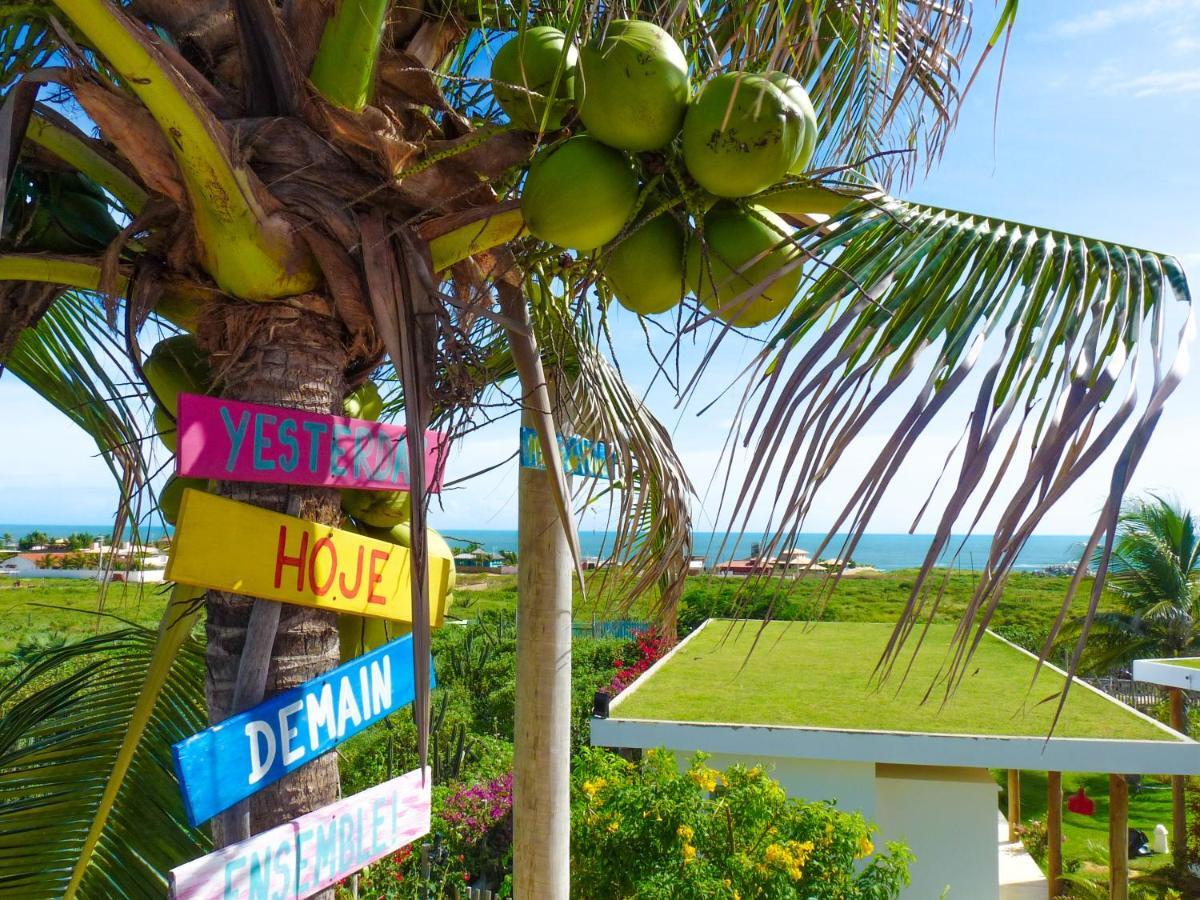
237,441
230,546
319,849
233,759
579,455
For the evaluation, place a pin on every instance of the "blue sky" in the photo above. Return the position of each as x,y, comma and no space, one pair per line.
1098,124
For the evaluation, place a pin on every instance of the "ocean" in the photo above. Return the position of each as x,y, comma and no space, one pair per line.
883,551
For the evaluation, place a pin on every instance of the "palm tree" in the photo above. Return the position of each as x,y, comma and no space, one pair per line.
1154,574
313,187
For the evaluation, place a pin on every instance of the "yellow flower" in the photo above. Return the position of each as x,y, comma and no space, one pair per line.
865,847
790,857
593,787
689,853
704,778
685,832
614,824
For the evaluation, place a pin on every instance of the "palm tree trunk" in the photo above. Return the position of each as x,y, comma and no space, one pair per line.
542,751
281,356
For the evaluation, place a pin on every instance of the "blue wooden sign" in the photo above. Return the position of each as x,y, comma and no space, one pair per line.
579,455
228,762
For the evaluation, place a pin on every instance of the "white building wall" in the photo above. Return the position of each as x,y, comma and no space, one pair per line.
947,817
850,784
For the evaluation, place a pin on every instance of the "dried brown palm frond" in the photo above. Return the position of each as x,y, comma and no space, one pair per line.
906,299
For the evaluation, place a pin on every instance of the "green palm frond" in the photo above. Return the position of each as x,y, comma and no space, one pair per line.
62,724
906,295
27,40
81,367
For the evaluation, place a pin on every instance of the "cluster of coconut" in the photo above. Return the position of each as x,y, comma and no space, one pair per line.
739,134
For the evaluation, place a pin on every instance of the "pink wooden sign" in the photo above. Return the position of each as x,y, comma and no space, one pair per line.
236,441
316,850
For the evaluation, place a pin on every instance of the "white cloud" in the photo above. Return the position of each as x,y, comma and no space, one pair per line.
1167,82
1104,18
1182,81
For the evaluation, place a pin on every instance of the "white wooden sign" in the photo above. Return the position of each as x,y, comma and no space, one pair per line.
308,854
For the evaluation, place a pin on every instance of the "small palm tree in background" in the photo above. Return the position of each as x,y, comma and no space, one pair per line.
1155,574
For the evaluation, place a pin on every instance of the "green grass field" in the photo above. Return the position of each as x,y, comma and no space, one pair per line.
1029,602
51,608
821,677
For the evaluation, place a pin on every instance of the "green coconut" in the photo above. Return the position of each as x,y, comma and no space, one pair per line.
645,270
168,431
171,495
174,365
743,253
579,194
741,135
362,634
380,509
401,536
633,87
363,402
533,60
805,200
794,91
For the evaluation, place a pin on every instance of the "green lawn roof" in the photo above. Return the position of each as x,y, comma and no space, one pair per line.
819,677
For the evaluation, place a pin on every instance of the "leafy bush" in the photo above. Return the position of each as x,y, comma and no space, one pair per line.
648,830
648,648
1035,836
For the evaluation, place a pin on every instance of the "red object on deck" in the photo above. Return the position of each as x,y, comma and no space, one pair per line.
1081,803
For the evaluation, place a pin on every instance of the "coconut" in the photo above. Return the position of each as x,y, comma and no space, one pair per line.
743,252
816,204
363,402
741,135
645,269
633,87
168,431
362,634
535,60
381,509
794,91
401,536
171,495
579,194
174,365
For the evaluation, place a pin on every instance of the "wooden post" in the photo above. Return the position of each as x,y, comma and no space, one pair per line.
1118,838
1054,808
1178,785
1014,803
541,764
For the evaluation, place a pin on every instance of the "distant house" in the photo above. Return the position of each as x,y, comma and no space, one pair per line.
696,565
750,566
478,561
789,561
21,563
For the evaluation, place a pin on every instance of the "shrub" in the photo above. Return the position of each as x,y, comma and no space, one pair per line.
648,830
644,651
1036,838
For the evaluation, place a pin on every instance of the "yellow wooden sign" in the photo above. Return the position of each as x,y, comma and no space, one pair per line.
230,546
